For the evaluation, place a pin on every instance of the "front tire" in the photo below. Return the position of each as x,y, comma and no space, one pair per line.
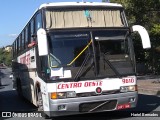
0,82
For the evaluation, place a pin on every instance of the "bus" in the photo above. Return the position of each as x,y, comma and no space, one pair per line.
76,58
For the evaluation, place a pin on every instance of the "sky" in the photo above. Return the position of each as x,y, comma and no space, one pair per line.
14,14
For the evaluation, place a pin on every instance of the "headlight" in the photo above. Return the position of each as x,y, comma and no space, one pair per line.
128,88
132,88
71,94
63,95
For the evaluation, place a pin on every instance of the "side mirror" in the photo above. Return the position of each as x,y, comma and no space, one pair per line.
143,34
42,42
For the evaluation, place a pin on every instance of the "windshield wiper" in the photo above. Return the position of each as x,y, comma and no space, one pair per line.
82,67
86,59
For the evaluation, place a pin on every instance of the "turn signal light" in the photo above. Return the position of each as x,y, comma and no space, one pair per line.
54,95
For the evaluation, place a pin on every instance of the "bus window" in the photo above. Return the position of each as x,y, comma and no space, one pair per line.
13,49
26,37
17,46
20,43
29,33
32,29
23,41
38,23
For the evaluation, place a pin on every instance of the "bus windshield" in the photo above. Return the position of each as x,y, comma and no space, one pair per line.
108,49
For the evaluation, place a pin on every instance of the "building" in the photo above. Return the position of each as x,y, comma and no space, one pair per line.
8,48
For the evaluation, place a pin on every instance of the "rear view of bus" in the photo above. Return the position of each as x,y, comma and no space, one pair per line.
85,59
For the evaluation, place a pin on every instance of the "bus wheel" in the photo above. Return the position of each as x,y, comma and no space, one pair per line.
0,82
40,102
19,88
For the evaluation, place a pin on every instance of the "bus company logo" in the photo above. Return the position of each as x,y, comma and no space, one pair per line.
98,90
6,114
79,84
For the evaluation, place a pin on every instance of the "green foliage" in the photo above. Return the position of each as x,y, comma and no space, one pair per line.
5,57
155,30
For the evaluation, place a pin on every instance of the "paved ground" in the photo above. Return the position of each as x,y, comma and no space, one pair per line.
149,85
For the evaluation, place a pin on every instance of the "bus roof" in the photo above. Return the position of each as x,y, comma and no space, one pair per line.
63,4
60,4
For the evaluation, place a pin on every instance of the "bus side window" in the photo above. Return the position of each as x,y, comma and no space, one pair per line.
20,43
29,34
38,22
13,50
23,41
32,28
26,37
17,45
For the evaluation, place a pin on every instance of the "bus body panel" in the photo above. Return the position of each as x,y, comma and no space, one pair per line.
27,74
75,105
91,85
44,92
72,105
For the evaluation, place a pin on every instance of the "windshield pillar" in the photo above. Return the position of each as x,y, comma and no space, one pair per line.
94,55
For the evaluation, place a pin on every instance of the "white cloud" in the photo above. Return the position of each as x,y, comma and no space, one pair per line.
12,35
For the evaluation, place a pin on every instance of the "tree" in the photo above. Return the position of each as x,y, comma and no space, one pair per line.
5,57
147,14
105,0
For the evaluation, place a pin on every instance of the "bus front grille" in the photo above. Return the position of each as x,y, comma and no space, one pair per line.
87,94
98,106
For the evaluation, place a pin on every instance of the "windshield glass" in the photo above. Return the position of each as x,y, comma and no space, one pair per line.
111,43
65,47
106,54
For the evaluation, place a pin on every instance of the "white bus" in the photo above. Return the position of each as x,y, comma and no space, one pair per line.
77,57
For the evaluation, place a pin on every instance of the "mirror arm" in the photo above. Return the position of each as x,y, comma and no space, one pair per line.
143,34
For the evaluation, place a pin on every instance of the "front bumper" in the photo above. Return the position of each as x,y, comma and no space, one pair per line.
81,105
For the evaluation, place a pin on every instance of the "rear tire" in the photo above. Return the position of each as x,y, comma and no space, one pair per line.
19,88
0,82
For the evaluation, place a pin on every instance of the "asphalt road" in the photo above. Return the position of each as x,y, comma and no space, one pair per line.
10,101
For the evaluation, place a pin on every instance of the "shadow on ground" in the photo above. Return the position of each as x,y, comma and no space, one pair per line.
2,75
10,101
